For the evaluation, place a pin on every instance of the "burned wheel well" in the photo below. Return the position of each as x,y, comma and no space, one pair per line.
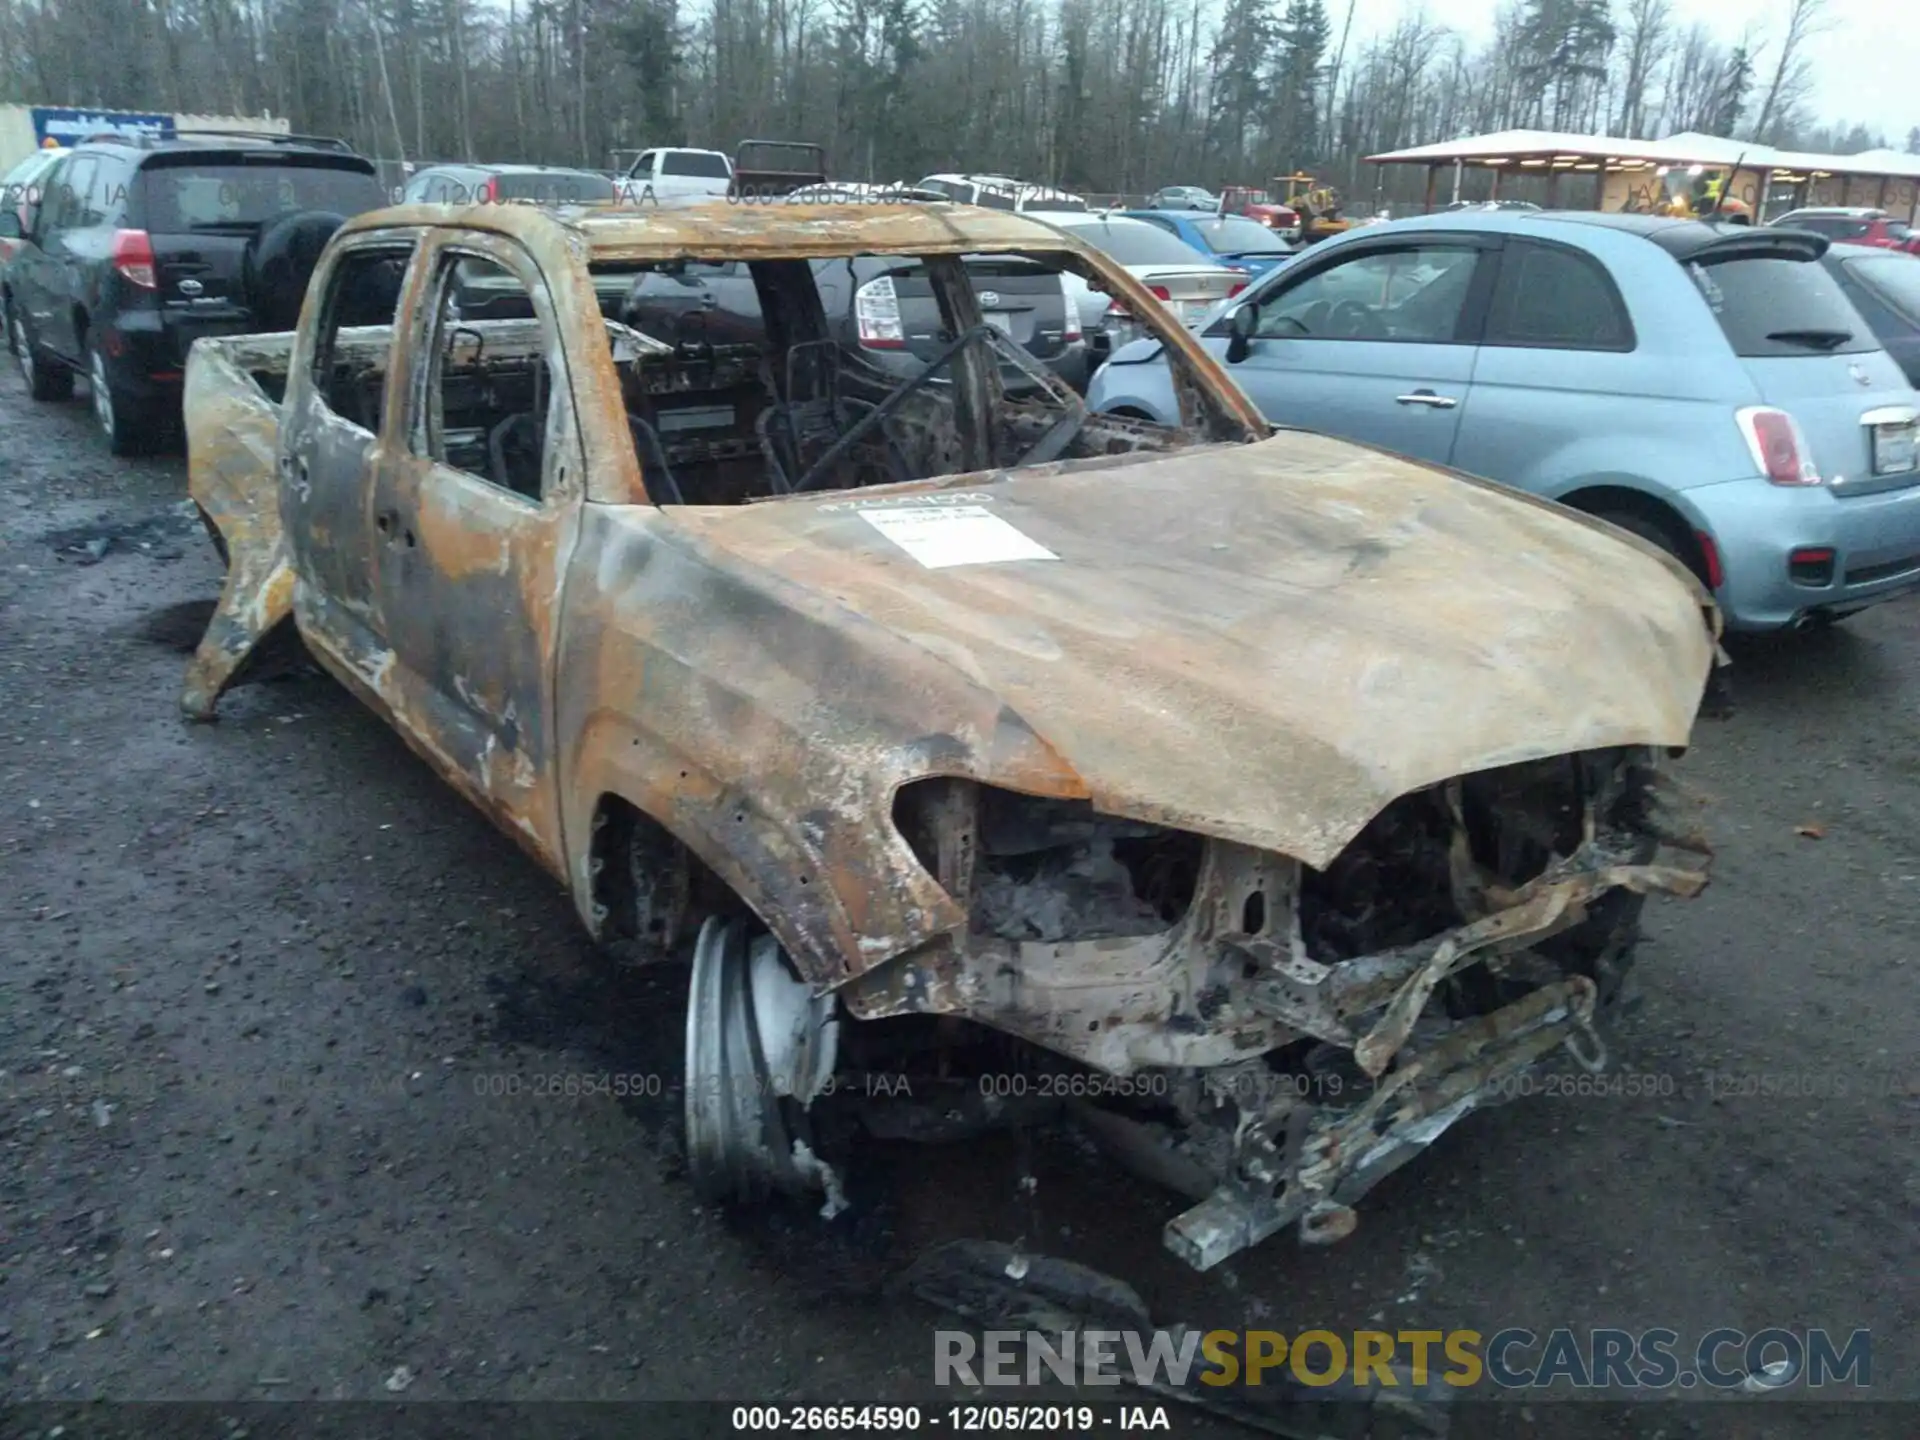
649,889
1030,867
1619,505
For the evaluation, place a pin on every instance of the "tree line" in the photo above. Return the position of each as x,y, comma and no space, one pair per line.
1104,96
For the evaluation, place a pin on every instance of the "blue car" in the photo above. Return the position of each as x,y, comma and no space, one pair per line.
1231,239
1706,386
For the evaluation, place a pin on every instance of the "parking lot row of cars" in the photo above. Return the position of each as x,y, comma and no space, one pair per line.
1742,396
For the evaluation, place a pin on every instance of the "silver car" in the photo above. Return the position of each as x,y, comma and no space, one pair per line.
1185,281
1707,387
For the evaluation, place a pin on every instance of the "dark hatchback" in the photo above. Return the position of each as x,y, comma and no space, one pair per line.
1884,286
140,247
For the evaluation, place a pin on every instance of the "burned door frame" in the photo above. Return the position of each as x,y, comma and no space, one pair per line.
332,548
468,574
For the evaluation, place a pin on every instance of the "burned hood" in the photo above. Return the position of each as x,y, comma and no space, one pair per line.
1265,642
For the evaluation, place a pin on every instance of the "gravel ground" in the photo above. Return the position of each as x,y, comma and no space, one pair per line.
262,979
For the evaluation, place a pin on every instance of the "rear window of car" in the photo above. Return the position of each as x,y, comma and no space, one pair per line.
1132,242
195,194
1771,305
554,187
1237,235
704,164
1894,278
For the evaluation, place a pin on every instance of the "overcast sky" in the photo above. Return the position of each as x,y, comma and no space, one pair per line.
1866,67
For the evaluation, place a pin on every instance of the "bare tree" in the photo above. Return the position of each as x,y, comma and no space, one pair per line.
1645,39
1109,96
1806,19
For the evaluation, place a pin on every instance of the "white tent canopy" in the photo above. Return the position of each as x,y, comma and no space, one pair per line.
1507,147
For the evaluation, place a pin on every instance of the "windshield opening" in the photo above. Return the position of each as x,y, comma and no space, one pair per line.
756,379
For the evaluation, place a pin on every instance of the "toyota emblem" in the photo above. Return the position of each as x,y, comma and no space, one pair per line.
989,299
190,287
1860,376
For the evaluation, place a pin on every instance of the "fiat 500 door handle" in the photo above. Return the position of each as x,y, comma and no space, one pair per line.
1427,397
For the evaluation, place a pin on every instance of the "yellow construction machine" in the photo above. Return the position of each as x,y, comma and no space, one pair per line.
1317,205
1697,192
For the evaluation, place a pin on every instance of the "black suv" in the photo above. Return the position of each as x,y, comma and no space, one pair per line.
141,246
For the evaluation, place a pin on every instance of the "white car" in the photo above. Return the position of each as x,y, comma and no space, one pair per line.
862,192
1187,282
1002,192
676,177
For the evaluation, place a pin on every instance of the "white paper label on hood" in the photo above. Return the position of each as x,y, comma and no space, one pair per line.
954,535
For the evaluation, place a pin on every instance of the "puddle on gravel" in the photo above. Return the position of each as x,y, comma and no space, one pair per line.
159,534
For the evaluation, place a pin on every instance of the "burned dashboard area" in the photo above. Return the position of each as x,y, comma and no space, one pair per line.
1289,1030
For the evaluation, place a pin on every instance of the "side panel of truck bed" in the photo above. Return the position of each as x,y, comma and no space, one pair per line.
233,427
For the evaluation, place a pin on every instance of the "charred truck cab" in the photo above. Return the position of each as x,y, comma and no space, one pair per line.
1282,798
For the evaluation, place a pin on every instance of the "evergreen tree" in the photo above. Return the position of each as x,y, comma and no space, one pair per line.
1299,76
1564,48
1730,100
1239,67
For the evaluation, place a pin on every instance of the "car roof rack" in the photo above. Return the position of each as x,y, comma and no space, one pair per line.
147,139
277,137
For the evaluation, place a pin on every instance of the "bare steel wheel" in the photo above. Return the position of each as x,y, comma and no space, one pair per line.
761,1046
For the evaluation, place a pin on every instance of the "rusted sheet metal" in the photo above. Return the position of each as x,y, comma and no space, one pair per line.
233,429
1263,643
1340,1160
645,232
1543,908
1157,669
1273,666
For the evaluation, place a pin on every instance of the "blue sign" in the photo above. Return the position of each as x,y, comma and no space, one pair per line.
70,127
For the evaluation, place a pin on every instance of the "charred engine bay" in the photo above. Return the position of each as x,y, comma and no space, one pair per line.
1051,871
1056,870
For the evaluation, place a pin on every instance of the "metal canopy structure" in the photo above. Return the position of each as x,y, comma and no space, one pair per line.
1873,177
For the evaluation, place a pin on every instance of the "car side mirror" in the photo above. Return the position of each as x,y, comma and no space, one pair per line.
1241,325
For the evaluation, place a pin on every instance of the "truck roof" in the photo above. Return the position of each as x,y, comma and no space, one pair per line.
776,230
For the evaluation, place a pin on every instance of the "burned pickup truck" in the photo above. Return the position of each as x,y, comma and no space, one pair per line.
1285,797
